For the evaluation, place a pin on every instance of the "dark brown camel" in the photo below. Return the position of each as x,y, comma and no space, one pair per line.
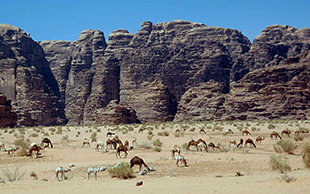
122,149
202,131
213,146
249,141
126,144
240,143
246,132
192,143
110,134
276,134
35,149
47,141
138,161
287,132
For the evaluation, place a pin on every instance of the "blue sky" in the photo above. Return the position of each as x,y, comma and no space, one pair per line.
65,19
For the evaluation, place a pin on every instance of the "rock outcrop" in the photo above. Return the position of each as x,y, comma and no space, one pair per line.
7,117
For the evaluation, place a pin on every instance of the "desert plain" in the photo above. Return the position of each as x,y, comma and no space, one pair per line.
214,171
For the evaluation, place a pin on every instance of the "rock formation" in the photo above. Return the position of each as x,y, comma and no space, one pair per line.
7,117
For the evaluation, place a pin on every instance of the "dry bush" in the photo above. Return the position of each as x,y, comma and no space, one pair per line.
166,133
306,156
287,145
298,137
271,126
278,149
157,142
157,149
279,163
123,171
14,175
23,146
176,134
160,133
184,145
93,137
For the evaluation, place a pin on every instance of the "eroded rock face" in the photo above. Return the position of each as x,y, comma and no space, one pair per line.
7,117
27,80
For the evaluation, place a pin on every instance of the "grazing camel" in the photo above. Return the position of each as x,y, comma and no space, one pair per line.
213,146
202,131
35,149
47,141
232,141
287,132
249,141
298,132
259,139
11,150
100,144
240,143
229,132
177,131
138,161
61,170
201,146
109,133
86,143
192,143
276,134
175,149
181,159
2,146
120,149
246,132
201,140
95,171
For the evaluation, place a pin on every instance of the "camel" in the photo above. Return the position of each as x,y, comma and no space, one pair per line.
181,159
240,143
229,132
138,161
298,132
126,144
86,143
177,131
61,170
120,149
35,149
175,149
2,146
259,139
141,130
201,140
287,132
192,143
47,141
11,150
276,134
134,141
202,131
201,146
213,146
232,141
110,134
246,132
100,144
250,141
95,171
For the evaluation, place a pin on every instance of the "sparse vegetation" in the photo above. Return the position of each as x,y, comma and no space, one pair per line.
279,163
271,126
123,171
287,145
93,137
166,133
13,175
157,142
298,137
306,155
23,146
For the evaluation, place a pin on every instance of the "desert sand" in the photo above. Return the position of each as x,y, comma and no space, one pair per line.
207,172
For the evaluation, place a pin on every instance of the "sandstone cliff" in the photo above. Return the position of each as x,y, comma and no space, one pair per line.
7,117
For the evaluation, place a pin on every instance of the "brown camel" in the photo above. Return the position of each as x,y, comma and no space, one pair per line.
202,131
201,140
47,141
246,132
276,134
287,132
141,130
86,143
213,146
126,144
138,161
35,149
192,143
122,148
177,131
249,141
181,159
240,143
232,141
112,142
175,149
259,139
11,150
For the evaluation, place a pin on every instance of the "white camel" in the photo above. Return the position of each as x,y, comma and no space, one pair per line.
95,171
181,159
11,150
61,170
101,144
86,142
202,147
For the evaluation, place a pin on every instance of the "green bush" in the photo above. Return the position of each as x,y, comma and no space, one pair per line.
182,134
298,137
176,134
279,163
33,135
157,149
150,132
23,146
166,133
192,129
271,126
160,133
93,137
184,145
157,142
306,156
278,149
65,138
123,171
287,145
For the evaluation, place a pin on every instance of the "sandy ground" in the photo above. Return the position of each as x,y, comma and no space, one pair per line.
212,172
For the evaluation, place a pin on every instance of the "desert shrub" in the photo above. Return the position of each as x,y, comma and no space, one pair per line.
160,133
306,156
184,145
13,175
125,131
93,137
65,138
12,131
34,175
33,135
52,129
157,142
240,128
78,133
278,149
150,132
254,129
176,134
192,129
279,163
298,137
182,134
59,130
287,145
217,128
271,126
157,149
305,130
116,136
145,145
123,171
149,137
166,133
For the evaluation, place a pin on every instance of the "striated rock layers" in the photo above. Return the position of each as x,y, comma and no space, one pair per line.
7,117
171,71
